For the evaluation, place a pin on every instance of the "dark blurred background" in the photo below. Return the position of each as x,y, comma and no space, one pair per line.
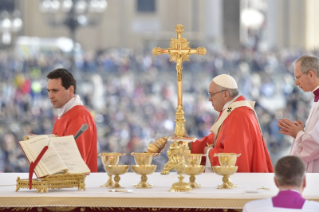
131,93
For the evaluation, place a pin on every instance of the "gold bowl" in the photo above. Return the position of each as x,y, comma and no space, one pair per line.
192,171
110,158
116,170
193,159
222,170
143,159
225,171
144,170
227,159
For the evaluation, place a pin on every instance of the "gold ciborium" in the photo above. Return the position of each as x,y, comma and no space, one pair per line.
227,168
143,167
110,159
116,170
193,168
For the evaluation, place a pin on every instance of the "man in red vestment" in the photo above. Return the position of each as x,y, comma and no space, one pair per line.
72,114
235,131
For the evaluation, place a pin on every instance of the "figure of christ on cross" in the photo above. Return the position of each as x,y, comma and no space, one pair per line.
179,51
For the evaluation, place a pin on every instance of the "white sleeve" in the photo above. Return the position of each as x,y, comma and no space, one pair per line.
306,144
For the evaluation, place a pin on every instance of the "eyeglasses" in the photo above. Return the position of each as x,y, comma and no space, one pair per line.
298,77
210,95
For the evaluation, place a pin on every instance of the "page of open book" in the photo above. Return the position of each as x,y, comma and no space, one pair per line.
70,154
33,135
51,162
38,169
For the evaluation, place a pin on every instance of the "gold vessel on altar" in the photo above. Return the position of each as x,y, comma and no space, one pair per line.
181,149
193,168
116,170
110,159
143,158
227,168
143,167
144,170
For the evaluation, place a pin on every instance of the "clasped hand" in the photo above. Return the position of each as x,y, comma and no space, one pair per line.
288,127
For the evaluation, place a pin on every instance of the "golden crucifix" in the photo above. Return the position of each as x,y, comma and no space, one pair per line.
179,51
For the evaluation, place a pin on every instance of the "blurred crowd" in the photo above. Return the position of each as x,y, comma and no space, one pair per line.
132,96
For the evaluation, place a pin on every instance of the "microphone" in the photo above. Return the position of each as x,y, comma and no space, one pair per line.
83,128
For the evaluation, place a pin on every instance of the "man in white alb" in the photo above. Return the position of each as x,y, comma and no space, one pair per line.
306,139
291,180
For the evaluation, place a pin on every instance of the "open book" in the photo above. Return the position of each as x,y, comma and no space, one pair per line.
62,156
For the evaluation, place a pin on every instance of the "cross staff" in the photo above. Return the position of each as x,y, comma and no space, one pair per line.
179,51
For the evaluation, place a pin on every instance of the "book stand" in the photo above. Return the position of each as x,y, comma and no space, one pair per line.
53,182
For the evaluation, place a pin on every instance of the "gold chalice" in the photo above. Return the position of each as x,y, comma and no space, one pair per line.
227,159
225,171
192,171
144,170
116,170
193,159
227,168
193,168
110,159
143,158
143,167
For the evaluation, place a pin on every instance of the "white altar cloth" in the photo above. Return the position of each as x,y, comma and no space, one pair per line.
157,197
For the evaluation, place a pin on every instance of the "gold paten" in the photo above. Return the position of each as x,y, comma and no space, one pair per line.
193,168
110,158
56,181
179,51
116,170
263,188
227,168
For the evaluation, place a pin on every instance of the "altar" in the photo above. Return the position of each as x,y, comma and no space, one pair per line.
251,186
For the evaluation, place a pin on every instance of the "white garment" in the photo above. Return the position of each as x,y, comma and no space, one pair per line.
231,101
208,165
266,205
306,144
76,100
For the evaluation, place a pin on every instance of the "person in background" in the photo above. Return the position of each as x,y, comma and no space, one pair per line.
291,180
72,114
306,139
